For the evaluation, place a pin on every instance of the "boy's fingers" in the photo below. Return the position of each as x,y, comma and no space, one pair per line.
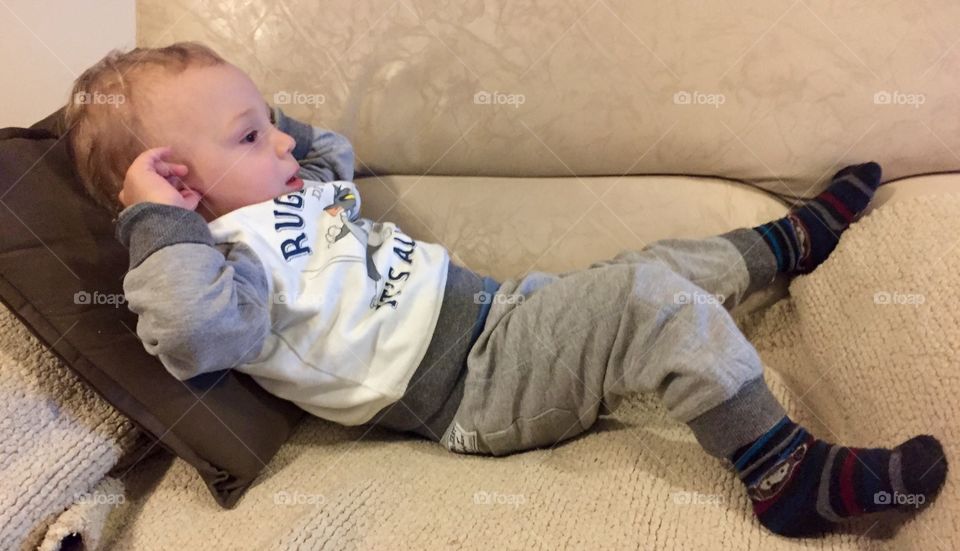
171,169
157,153
154,156
155,162
175,169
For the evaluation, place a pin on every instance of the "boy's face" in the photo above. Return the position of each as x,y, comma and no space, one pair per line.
218,125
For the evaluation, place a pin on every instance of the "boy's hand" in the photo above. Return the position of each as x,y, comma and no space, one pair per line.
151,178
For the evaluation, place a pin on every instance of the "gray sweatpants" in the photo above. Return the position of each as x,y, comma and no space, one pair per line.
557,350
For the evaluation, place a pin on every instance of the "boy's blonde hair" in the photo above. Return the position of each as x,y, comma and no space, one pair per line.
104,130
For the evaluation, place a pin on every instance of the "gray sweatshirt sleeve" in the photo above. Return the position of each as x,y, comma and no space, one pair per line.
202,306
323,154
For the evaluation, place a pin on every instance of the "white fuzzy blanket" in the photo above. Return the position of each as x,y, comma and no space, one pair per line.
58,441
847,363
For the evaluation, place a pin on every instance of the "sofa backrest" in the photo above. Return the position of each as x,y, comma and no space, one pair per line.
776,93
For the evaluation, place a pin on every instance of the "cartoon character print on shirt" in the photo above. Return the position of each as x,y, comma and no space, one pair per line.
344,206
776,478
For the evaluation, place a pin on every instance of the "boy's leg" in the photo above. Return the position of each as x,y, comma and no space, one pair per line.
733,265
729,266
562,350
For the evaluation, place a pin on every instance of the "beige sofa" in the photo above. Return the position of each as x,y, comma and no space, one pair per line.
529,136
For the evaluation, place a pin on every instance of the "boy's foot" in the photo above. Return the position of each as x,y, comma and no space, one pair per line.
804,238
801,486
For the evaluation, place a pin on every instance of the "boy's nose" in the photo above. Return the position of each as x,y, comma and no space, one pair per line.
287,143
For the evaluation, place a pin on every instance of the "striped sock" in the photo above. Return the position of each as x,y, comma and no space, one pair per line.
801,486
806,236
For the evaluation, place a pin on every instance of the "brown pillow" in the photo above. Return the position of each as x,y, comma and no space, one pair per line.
61,273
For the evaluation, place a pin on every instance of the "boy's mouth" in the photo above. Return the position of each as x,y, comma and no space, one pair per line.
295,182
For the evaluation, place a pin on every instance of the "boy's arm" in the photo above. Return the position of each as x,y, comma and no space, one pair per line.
323,154
202,306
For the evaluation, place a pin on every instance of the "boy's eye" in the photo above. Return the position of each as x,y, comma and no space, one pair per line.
248,138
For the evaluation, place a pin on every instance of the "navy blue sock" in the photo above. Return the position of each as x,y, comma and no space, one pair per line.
801,486
806,236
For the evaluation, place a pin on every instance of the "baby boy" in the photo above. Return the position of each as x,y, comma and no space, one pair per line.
248,252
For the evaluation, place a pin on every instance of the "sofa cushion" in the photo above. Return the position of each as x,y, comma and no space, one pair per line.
61,271
782,94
